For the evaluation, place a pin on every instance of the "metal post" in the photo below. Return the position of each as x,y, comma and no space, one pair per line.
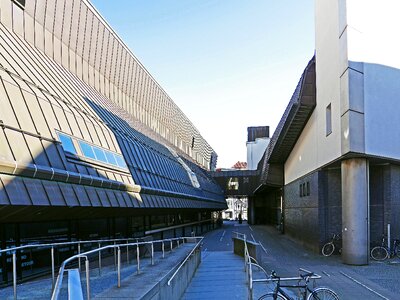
152,254
171,244
99,260
87,279
52,269
79,258
138,258
14,256
127,252
115,255
163,251
177,242
119,267
250,284
388,238
245,258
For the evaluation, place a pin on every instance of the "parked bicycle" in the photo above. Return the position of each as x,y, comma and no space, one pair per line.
307,293
329,247
383,252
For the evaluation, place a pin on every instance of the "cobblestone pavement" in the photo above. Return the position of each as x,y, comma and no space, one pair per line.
285,256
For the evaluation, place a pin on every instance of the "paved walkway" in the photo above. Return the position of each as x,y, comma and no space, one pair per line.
220,276
285,256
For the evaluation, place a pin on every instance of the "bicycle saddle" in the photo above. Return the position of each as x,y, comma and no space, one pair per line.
307,275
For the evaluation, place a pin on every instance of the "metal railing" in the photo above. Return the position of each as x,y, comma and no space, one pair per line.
249,262
52,247
116,247
197,246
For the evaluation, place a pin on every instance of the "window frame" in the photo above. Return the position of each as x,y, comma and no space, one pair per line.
328,119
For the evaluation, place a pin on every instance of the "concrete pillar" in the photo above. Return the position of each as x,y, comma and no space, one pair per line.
355,211
251,217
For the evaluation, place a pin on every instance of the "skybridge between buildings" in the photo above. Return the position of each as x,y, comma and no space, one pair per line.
236,183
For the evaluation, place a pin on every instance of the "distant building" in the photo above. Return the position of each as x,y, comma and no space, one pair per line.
257,141
240,165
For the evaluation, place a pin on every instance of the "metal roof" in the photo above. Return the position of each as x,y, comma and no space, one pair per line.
295,117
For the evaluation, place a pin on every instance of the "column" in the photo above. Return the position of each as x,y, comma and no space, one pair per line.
355,211
250,210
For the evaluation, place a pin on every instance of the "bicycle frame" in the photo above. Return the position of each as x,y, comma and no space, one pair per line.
281,291
304,287
394,249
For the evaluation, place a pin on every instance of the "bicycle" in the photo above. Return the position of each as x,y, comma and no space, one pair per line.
382,252
329,247
306,292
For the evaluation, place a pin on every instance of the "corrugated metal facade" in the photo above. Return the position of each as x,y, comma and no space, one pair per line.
64,71
73,35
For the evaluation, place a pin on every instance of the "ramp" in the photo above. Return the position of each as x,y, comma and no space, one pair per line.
220,275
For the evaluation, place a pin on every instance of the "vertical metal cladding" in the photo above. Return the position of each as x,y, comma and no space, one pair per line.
73,34
64,71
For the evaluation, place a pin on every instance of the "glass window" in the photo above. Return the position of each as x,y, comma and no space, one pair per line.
100,154
67,143
328,120
120,161
87,150
111,158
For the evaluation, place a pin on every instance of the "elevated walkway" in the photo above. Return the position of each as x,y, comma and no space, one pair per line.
220,276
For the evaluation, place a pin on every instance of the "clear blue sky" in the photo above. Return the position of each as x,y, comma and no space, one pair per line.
228,64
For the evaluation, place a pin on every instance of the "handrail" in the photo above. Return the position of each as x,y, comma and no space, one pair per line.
314,276
58,283
185,260
48,245
249,261
239,233
176,226
52,246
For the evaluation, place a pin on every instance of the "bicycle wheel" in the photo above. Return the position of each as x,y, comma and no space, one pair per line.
328,249
379,253
323,293
271,296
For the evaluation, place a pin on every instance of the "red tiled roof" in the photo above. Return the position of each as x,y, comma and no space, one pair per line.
240,165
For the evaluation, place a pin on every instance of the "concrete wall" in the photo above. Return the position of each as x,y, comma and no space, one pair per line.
238,247
369,68
357,72
255,151
314,147
180,282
